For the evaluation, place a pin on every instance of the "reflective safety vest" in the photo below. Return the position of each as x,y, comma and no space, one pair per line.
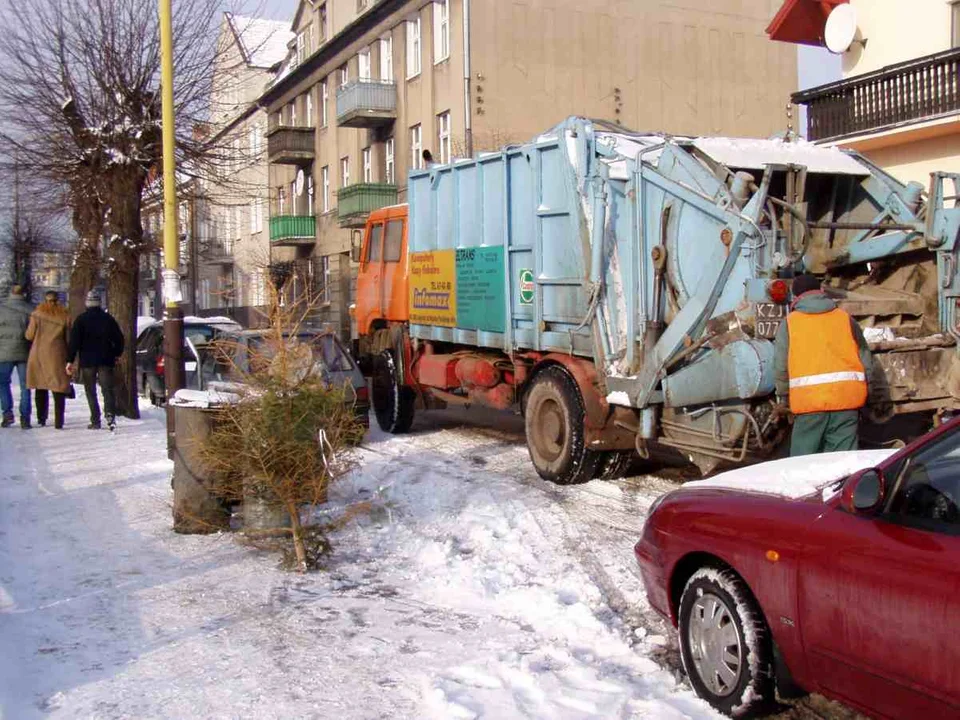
826,374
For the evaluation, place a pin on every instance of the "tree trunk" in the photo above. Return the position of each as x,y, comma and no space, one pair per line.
298,546
122,295
84,275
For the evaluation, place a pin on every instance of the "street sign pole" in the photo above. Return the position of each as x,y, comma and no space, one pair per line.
173,315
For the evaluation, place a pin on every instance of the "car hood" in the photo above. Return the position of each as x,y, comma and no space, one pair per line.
794,477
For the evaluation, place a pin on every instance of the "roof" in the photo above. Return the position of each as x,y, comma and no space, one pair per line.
262,42
802,21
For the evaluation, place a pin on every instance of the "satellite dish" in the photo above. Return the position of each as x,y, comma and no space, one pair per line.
298,185
841,29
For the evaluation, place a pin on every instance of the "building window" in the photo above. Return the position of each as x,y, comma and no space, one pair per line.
955,23
325,179
388,176
362,5
325,275
281,200
413,47
443,135
292,113
416,147
367,165
322,12
363,61
324,96
259,287
204,294
301,47
344,172
344,76
441,30
310,194
386,58
256,215
309,108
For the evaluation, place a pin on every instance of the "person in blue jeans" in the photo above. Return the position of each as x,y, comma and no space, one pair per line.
14,350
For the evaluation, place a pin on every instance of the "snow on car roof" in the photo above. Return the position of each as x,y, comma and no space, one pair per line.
793,477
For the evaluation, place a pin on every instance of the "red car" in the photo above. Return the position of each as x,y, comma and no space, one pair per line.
837,574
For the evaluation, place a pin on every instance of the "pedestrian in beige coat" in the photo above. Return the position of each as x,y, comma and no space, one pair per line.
49,331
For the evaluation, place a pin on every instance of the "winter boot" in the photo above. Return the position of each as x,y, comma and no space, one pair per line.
111,423
94,425
25,423
7,420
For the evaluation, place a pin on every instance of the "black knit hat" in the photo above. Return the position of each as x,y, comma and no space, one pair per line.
804,284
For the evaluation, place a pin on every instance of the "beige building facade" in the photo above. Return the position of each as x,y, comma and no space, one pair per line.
369,86
899,99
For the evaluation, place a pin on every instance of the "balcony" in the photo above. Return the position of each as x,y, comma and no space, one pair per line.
290,145
919,90
356,202
218,252
366,104
293,230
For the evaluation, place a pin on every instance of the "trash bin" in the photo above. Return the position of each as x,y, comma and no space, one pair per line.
196,510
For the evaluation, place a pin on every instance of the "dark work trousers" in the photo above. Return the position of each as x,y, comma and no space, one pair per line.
824,432
43,407
105,373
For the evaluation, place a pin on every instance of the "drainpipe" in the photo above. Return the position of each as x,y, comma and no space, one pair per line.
467,112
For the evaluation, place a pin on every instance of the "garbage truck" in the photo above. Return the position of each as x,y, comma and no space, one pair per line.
622,291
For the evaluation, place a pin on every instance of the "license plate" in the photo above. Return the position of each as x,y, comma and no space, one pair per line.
769,317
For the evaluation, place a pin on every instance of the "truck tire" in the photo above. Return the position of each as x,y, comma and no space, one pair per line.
392,402
553,419
614,464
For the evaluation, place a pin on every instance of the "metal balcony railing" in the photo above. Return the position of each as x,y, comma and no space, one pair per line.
218,252
366,104
356,202
293,229
291,145
926,88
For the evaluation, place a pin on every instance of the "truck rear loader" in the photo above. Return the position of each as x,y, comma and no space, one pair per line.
622,290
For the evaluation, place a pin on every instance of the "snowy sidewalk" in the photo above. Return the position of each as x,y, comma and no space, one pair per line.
470,590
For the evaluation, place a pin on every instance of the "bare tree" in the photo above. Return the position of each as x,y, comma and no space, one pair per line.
80,108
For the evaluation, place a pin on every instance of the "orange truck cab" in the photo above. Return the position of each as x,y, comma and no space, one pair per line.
382,279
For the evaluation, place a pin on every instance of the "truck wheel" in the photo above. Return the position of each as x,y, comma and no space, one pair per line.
554,419
725,643
614,464
392,402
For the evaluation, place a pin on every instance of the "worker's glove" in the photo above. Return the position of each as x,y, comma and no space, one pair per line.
780,410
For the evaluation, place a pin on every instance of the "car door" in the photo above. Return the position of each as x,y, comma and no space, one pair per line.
369,280
394,300
879,596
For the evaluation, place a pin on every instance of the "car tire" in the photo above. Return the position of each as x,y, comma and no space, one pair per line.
554,424
393,403
725,644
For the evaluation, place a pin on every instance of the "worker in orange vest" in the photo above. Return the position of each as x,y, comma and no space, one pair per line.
823,365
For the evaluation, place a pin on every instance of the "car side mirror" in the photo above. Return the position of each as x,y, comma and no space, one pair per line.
864,492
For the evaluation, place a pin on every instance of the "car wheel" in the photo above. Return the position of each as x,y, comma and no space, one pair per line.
725,644
393,403
553,420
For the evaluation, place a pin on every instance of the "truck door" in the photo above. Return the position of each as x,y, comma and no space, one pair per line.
370,280
393,298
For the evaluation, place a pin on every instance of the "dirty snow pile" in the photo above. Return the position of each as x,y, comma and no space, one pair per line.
455,593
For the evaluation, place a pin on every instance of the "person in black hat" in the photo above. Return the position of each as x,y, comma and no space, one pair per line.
823,365
96,339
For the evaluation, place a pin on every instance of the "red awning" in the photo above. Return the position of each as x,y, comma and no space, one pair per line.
801,21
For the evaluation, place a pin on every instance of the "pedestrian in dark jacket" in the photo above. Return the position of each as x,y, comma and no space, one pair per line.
823,365
97,341
14,351
48,331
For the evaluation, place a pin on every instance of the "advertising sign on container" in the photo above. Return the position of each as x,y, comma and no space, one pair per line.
433,298
480,302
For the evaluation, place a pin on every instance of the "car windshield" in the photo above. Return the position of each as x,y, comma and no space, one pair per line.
258,349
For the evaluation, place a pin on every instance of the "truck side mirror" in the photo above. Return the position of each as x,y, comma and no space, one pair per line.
864,492
356,246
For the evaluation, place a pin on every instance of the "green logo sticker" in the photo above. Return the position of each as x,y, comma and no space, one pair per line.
526,287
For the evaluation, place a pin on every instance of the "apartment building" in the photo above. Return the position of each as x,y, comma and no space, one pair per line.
224,246
370,85
898,101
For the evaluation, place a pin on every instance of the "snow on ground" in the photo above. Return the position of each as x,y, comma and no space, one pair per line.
469,589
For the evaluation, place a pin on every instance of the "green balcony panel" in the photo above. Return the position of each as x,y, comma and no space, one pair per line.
356,202
293,229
